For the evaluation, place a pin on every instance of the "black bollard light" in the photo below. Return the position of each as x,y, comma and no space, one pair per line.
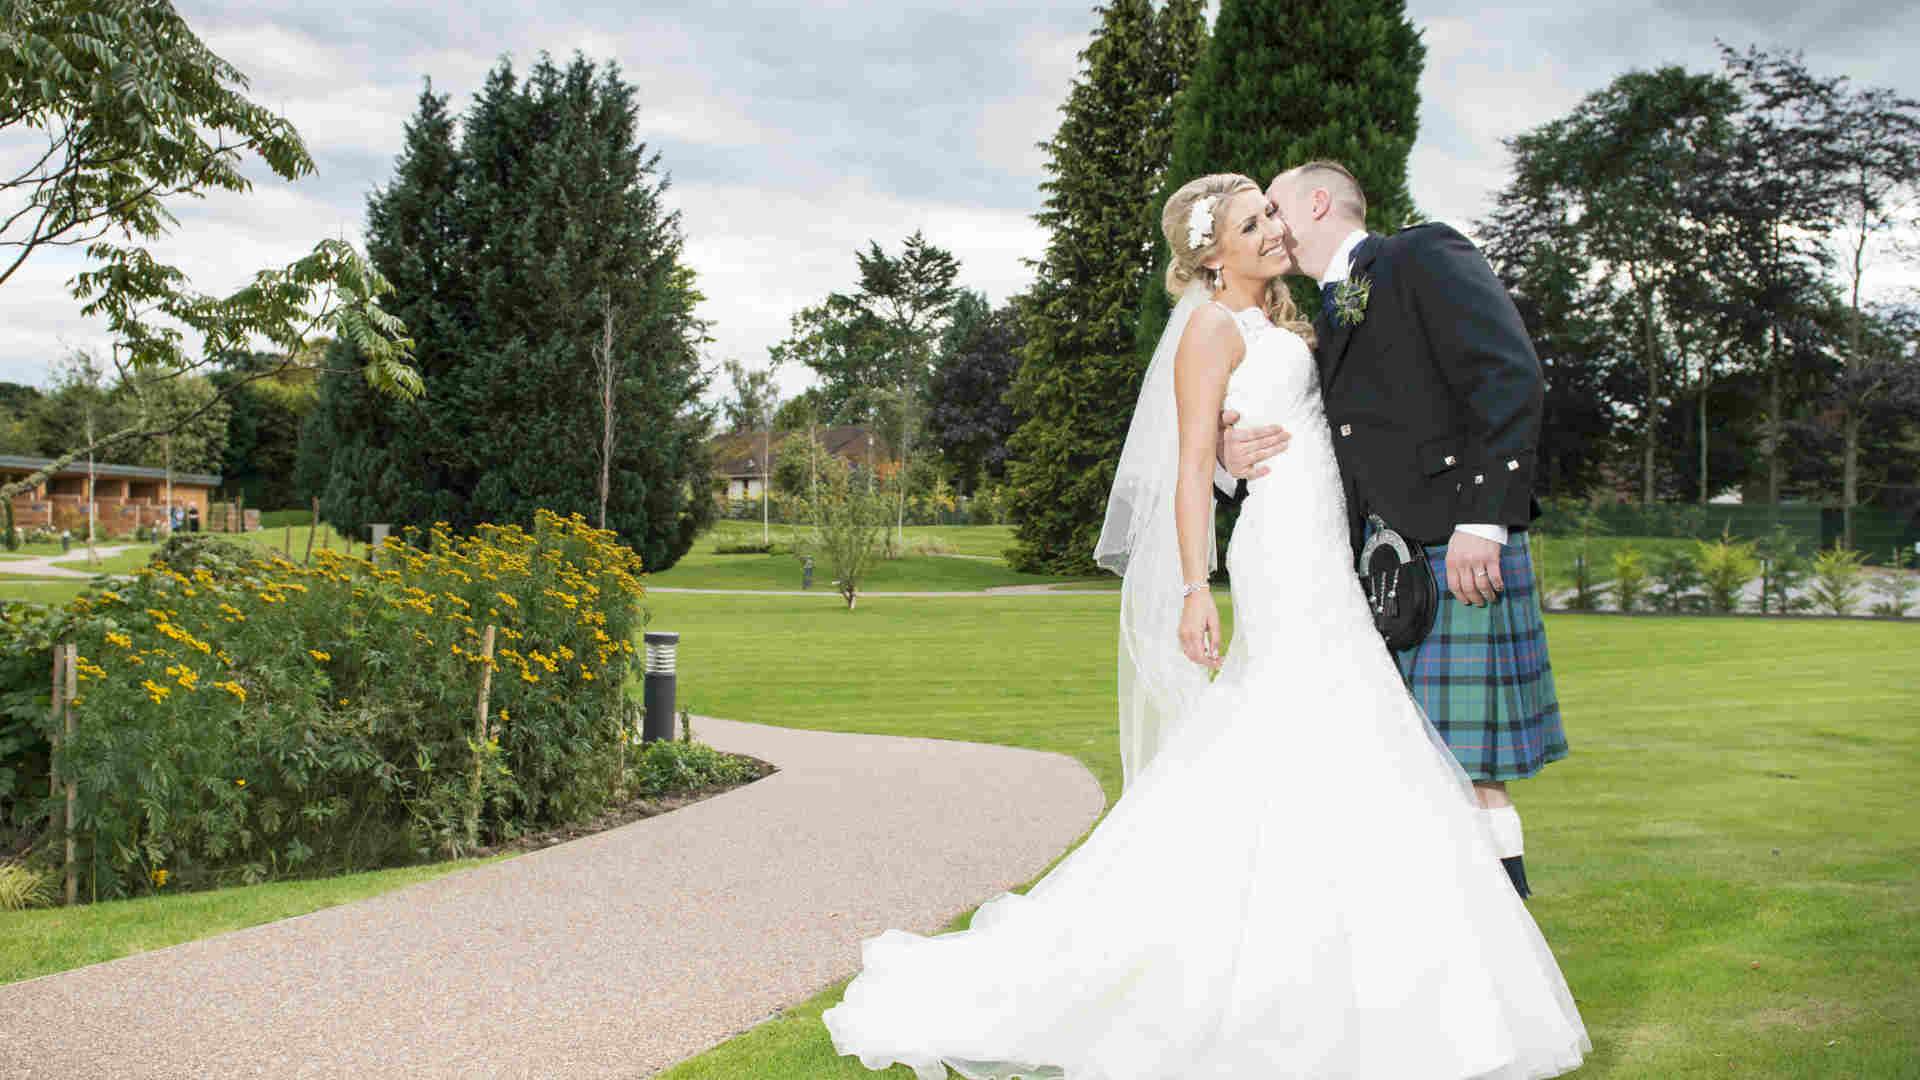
659,685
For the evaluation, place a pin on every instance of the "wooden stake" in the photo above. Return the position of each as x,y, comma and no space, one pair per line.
287,544
73,687
312,528
59,709
480,738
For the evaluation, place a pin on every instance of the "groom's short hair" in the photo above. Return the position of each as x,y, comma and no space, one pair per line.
1338,180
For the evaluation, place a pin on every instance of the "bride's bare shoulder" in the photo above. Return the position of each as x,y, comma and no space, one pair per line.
1211,338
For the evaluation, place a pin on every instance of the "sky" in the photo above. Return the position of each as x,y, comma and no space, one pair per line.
794,134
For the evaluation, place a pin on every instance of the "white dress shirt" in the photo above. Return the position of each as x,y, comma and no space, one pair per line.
1338,269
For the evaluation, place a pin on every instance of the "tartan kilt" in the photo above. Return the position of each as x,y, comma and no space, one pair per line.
1483,676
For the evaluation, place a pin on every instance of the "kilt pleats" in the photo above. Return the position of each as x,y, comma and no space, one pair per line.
1484,678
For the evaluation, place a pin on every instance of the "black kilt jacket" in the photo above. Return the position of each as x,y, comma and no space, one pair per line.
1435,396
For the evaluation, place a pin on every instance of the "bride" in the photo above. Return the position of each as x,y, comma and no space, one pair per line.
1296,882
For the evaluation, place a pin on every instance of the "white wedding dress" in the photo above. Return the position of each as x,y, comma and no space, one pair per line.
1298,885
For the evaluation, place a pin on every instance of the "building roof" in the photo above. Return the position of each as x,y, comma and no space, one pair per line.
135,472
732,451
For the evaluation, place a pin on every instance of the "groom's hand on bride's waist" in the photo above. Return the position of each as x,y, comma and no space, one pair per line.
1241,450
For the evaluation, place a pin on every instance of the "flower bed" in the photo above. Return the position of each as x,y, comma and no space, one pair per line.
239,719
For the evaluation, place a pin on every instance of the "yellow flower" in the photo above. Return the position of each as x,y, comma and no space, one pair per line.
320,656
241,782
155,692
507,600
159,878
235,689
121,640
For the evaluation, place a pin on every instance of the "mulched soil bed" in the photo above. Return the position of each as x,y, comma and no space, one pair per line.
616,816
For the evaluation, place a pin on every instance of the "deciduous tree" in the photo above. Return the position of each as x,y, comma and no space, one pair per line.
131,111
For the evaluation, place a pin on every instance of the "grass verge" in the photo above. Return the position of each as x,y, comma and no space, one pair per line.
46,940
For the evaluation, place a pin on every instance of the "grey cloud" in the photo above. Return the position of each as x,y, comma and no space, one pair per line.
796,132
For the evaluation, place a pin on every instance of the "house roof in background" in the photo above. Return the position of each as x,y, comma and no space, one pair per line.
733,450
134,472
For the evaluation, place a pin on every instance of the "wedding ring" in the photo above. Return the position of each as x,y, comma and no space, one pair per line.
1480,573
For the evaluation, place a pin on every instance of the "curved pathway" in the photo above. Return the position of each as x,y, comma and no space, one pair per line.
41,566
615,955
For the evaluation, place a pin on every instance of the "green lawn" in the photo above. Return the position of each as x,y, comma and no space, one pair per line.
1727,865
985,540
124,563
34,592
55,939
973,564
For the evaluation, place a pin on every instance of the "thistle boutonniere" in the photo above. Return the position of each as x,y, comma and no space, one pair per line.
1350,300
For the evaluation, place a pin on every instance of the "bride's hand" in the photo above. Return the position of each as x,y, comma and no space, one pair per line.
1200,630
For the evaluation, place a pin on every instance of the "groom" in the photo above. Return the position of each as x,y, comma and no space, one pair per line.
1434,396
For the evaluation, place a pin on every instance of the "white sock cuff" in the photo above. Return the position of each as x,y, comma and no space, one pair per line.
1504,823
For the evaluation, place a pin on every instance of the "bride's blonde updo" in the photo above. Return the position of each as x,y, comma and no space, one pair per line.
1185,267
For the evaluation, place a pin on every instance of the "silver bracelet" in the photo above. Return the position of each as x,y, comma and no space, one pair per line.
1190,588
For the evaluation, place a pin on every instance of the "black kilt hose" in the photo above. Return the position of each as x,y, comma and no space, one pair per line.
1435,397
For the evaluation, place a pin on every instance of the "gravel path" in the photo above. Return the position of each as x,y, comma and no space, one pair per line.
611,956
41,566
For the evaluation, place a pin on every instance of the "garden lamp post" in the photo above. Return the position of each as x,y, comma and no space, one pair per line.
660,684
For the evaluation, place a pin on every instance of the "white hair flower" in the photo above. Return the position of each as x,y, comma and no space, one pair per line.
1200,223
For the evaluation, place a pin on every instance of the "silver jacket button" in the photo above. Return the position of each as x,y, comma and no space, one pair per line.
1346,430
1450,459
1513,466
1480,479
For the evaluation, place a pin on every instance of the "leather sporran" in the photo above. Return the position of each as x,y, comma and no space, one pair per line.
1401,591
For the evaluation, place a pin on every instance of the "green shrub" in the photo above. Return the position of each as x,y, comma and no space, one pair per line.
1586,591
184,553
1836,579
744,549
1895,586
667,767
1784,569
22,886
1725,569
929,545
1629,579
1678,575
240,721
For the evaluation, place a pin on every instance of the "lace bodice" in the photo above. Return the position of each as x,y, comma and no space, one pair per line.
1277,382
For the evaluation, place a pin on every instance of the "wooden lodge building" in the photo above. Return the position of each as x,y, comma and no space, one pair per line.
125,497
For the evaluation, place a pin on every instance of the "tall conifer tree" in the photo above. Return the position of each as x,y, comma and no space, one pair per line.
511,252
1079,376
1284,83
